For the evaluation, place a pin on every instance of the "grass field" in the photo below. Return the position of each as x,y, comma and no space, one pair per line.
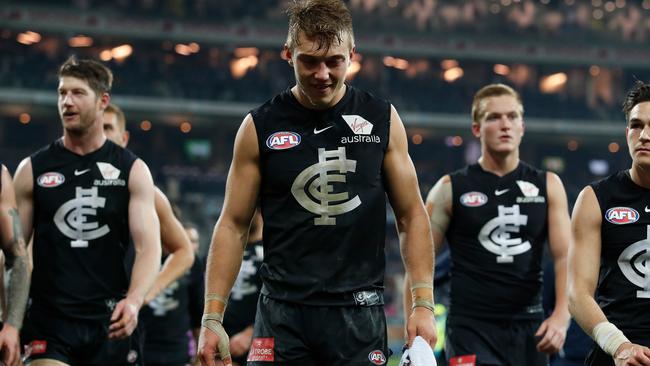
393,361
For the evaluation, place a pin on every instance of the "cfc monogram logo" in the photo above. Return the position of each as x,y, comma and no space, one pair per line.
313,189
634,262
72,218
495,234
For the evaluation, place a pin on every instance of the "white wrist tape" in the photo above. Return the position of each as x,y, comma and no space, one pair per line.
608,337
213,322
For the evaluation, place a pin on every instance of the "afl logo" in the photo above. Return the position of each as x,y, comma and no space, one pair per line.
377,357
473,199
621,215
283,140
50,179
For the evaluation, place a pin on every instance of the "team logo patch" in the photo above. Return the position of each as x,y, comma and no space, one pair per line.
283,140
50,179
473,199
621,215
262,350
377,357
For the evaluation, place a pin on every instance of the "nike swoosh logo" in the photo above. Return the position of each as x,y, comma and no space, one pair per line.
317,131
80,172
646,209
500,192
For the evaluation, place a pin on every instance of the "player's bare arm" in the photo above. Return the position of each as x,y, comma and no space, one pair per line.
553,330
584,266
228,240
145,232
413,226
17,261
175,241
438,205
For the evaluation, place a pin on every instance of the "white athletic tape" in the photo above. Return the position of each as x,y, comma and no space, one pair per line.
608,337
212,321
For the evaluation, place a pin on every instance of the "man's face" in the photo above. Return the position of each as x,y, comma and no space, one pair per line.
638,134
501,126
320,74
112,129
79,106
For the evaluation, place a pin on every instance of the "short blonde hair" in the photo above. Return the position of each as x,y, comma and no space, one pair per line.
117,111
488,91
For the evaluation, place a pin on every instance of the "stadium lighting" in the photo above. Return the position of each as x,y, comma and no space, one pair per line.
239,67
241,52
398,63
501,69
553,83
106,55
28,38
448,64
122,52
183,49
417,139
613,147
24,118
80,41
453,74
185,127
145,125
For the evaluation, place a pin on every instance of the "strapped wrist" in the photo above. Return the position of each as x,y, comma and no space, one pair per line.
608,337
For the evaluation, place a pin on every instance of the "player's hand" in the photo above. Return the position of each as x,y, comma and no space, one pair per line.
9,345
240,343
421,323
631,354
124,319
208,349
552,333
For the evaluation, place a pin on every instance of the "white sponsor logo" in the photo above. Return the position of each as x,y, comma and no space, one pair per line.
312,188
634,262
74,217
528,188
108,171
495,235
358,124
80,172
500,192
646,209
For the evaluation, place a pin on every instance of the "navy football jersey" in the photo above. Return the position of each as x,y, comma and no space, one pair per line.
624,280
166,320
242,303
496,237
81,229
323,198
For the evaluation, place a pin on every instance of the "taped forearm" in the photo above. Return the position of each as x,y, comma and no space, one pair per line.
422,295
18,291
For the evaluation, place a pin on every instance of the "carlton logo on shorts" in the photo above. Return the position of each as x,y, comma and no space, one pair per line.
283,140
473,199
50,180
621,215
262,350
377,357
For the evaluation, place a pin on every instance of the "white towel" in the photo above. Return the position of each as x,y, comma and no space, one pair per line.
420,354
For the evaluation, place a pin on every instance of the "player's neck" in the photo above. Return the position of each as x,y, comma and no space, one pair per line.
499,165
82,144
640,175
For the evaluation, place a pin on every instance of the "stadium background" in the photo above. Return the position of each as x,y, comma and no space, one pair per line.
187,71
